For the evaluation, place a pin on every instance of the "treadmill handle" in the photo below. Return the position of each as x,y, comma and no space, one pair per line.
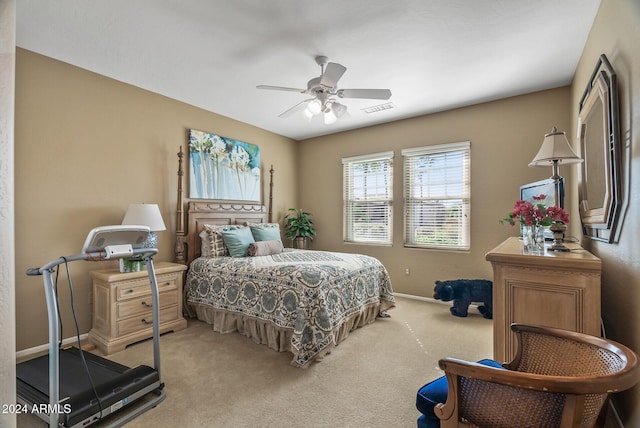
33,271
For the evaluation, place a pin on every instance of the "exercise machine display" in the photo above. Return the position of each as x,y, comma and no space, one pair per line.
74,388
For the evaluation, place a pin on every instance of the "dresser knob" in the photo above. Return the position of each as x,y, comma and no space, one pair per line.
144,321
146,305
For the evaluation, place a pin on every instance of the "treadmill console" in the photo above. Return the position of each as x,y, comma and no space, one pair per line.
115,237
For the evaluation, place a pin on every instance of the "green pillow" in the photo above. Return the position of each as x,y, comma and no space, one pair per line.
266,232
237,240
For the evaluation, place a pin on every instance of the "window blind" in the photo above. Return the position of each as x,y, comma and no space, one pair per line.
368,198
437,196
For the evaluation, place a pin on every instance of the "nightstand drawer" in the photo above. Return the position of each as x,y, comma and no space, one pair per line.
144,321
140,305
139,288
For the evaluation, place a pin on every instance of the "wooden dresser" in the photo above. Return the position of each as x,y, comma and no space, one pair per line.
556,289
122,305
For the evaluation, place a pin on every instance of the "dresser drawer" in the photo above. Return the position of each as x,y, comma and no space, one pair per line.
141,305
145,321
142,287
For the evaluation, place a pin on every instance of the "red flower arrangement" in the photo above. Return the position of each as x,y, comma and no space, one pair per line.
536,215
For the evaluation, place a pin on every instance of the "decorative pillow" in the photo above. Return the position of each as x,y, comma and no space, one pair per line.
264,248
214,240
265,231
237,240
205,243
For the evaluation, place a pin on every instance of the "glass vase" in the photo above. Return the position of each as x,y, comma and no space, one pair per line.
533,238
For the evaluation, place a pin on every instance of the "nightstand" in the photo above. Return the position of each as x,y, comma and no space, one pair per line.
122,305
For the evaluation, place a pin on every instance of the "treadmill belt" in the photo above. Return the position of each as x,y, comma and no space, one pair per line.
73,374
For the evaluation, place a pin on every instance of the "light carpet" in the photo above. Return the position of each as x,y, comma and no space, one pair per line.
369,380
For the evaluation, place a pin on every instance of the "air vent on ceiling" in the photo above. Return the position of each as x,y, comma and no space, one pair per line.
379,107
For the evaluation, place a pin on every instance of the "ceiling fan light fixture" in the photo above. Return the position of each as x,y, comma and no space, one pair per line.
323,89
307,114
339,109
314,107
329,117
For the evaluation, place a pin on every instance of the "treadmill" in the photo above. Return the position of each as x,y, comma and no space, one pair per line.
73,388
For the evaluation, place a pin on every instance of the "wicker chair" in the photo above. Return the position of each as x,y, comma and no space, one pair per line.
558,378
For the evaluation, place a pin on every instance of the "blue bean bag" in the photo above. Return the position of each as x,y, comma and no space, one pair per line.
436,392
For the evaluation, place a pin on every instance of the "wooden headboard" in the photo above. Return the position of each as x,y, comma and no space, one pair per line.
199,213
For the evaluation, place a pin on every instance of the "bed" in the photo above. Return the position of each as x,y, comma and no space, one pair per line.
300,301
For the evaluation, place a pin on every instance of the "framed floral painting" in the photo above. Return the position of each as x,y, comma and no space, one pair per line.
222,168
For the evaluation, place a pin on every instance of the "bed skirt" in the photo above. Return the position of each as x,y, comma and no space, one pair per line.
280,338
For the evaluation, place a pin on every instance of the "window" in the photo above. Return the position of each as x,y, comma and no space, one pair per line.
368,198
436,196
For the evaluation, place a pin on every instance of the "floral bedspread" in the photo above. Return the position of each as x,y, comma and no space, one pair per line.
311,293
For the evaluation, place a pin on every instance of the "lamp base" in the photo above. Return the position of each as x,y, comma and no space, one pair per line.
151,242
558,230
558,247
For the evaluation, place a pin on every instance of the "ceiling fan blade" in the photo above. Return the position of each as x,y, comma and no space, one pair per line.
281,88
332,73
376,94
296,108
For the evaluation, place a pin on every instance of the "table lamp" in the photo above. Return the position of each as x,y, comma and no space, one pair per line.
146,215
555,150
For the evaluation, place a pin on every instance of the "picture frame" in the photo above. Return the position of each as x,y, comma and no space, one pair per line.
222,168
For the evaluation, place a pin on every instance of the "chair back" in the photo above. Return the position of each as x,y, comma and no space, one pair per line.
558,378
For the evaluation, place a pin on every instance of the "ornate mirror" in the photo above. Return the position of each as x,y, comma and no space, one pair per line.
598,136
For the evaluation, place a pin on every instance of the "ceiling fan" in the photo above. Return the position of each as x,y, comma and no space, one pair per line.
324,91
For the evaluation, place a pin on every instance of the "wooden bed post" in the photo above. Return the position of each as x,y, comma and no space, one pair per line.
180,243
270,194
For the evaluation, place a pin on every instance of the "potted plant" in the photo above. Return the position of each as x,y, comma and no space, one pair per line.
299,227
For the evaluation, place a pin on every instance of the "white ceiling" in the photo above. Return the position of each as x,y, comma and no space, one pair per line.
434,55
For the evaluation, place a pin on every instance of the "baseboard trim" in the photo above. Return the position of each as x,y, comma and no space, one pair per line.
30,352
426,299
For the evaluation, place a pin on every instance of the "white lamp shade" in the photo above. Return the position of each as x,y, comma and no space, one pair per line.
555,147
145,215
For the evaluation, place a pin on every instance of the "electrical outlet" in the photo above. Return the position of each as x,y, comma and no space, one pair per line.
407,271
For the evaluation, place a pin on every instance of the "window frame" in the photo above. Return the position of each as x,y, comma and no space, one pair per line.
431,241
348,230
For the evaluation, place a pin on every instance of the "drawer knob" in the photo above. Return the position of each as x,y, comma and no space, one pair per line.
130,290
144,321
146,305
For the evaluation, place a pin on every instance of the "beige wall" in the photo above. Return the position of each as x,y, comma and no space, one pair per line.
616,33
505,136
7,195
87,146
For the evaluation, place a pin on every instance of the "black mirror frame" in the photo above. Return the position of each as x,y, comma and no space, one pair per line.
600,223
